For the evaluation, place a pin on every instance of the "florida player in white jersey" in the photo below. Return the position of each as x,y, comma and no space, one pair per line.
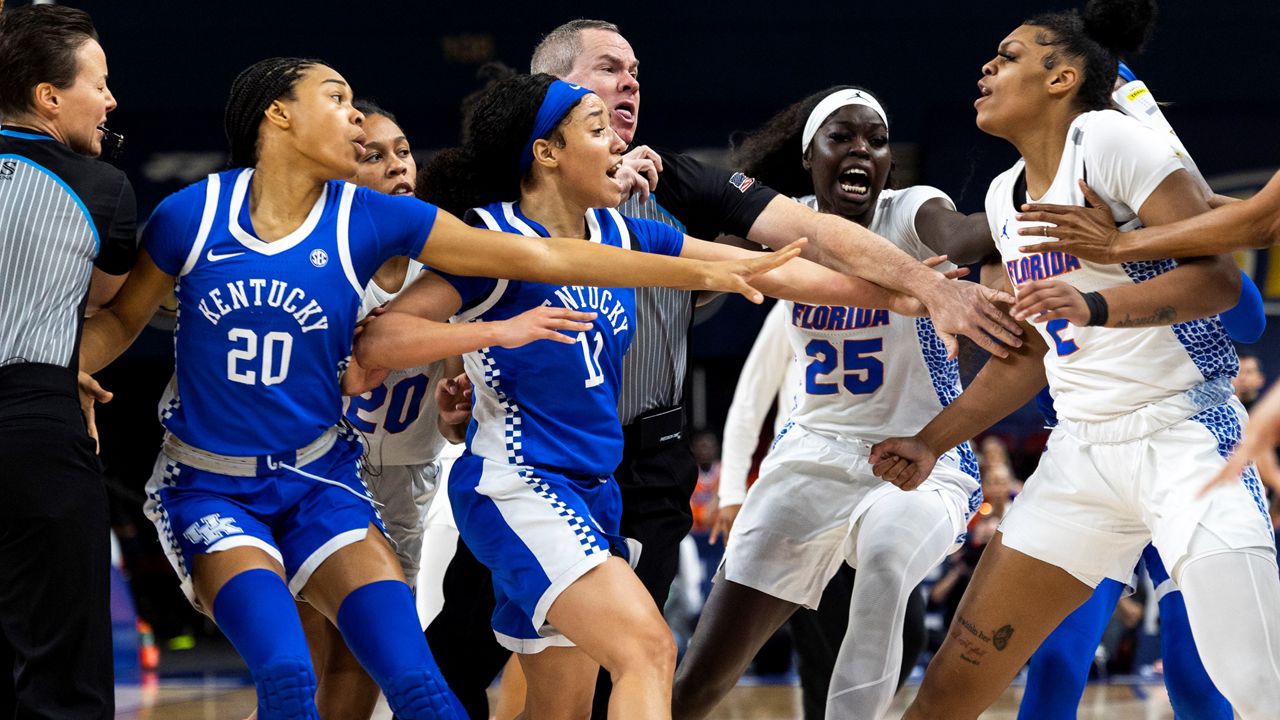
1146,413
867,374
257,491
533,496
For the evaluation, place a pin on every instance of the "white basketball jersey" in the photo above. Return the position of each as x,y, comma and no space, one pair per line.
870,373
1100,373
398,418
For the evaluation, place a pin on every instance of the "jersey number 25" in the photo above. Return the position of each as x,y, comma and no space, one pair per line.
863,372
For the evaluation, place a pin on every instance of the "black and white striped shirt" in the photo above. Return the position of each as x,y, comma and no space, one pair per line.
704,202
61,215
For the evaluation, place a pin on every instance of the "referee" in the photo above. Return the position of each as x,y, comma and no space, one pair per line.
67,227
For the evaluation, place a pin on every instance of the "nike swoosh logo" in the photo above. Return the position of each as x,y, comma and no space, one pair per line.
211,256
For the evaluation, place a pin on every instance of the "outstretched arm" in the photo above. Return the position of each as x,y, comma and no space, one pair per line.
414,330
455,247
1091,234
114,328
809,282
957,308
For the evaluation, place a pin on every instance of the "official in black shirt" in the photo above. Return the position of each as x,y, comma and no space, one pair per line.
67,221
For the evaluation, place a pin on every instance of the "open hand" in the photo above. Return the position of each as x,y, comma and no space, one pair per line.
1088,233
968,308
542,323
735,276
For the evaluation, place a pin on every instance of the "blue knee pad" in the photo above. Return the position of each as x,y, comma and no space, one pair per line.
256,612
1191,693
379,621
1060,667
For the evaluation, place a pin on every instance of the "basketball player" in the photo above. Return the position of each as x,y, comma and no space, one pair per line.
1059,669
257,489
1145,414
817,505
398,422
533,496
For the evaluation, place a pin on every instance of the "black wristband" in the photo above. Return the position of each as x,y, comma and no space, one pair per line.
1097,308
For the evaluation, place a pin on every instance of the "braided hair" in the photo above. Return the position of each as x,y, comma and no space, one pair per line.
252,92
771,154
486,168
1097,38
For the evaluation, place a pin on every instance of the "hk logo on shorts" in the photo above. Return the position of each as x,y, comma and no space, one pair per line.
210,529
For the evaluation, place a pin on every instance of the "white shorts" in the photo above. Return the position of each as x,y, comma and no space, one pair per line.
405,492
1102,491
796,525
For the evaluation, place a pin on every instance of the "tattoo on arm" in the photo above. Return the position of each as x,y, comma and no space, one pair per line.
1162,316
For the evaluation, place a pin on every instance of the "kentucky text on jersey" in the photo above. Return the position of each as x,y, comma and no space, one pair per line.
602,301
1041,266
837,317
255,292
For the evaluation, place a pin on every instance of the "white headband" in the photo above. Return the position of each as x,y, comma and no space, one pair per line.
832,103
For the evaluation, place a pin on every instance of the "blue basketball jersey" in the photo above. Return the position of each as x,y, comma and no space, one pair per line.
265,329
552,405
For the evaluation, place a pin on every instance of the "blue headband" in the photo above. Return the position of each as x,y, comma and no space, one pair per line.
561,97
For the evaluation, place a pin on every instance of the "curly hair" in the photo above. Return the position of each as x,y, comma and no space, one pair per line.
771,154
486,168
252,92
1097,38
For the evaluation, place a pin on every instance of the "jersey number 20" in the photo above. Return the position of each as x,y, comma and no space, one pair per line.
276,348
863,372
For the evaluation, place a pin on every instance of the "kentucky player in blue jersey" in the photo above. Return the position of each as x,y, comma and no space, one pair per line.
533,497
257,491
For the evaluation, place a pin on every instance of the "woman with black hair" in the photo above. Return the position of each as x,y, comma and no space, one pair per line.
257,489
867,377
533,496
1146,414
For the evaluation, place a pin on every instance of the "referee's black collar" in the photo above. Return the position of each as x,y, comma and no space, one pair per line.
25,133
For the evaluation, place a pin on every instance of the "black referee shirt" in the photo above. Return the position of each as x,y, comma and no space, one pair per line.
702,201
61,215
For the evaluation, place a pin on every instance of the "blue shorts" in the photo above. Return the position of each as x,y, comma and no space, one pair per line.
298,520
537,531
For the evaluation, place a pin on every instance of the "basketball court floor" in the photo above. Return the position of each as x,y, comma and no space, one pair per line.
223,700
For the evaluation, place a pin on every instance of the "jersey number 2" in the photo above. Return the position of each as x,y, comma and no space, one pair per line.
1062,345
276,348
863,372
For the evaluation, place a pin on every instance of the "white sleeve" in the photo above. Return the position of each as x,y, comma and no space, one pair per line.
762,375
1125,161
